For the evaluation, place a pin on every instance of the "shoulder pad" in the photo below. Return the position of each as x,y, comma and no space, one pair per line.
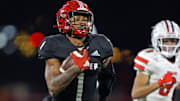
101,43
146,53
44,50
143,59
54,46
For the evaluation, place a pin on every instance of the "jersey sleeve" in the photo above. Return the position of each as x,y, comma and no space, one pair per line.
55,46
46,49
142,63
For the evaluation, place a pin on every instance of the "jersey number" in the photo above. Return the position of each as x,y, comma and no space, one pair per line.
80,87
164,91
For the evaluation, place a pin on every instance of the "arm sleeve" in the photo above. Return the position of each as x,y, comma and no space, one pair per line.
106,78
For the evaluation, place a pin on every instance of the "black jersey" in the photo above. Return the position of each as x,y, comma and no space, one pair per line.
83,87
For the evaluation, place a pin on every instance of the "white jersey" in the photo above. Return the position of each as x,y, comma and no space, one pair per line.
155,66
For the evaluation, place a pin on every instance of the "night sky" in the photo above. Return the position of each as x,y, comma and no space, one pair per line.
127,23
124,22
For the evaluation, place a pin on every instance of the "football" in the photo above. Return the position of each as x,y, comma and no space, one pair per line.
68,61
66,64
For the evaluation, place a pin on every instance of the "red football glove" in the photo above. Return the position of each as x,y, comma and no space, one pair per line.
81,61
167,80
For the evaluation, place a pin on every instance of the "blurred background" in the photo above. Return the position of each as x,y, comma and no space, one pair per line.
24,23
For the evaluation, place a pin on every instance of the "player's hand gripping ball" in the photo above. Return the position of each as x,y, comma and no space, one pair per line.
79,58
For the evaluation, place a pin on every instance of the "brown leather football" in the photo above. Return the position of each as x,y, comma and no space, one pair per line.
69,61
66,64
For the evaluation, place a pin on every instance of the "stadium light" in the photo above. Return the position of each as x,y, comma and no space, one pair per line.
10,31
3,40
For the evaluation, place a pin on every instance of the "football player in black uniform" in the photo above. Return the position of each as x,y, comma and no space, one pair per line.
91,66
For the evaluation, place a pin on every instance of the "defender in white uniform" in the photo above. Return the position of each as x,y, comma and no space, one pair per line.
158,68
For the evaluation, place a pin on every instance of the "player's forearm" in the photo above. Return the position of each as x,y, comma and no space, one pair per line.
144,90
62,81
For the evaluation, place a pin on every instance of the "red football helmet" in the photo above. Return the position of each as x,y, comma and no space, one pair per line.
71,8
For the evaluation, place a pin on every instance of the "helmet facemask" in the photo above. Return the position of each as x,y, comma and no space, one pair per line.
168,46
81,23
